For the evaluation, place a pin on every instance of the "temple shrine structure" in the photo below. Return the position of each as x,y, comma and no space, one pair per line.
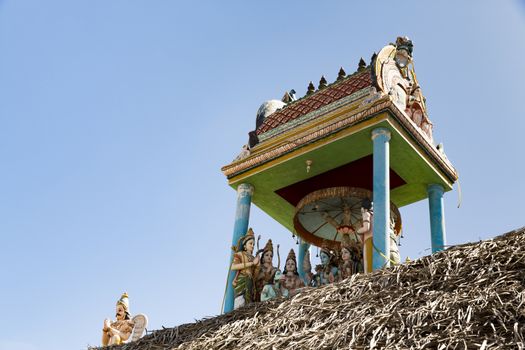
335,165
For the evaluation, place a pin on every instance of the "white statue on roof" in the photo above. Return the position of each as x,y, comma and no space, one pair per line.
124,328
395,75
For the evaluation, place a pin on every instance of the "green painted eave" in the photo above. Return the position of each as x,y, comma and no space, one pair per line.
407,158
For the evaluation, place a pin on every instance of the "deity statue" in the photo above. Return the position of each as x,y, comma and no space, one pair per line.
329,271
415,101
273,290
366,231
266,271
351,258
244,263
396,76
395,258
307,268
292,282
117,332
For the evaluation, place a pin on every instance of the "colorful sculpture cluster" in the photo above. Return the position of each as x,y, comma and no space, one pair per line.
257,279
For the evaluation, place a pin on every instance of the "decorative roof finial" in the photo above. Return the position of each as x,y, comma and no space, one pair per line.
322,83
289,96
292,94
362,65
341,74
311,89
373,58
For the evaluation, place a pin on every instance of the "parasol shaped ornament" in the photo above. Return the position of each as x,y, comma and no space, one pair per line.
322,217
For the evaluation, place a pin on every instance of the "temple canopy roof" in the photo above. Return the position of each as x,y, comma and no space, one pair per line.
323,140
316,100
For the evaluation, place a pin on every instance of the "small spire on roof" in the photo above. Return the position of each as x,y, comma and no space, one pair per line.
341,74
322,83
286,97
362,65
311,89
289,96
372,59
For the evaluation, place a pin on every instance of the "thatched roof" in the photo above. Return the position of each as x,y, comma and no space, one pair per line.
468,297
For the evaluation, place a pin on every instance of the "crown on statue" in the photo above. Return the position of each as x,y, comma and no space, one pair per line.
346,242
325,248
249,235
124,301
268,247
291,255
404,43
242,241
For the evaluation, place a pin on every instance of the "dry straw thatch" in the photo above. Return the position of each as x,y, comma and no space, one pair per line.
468,297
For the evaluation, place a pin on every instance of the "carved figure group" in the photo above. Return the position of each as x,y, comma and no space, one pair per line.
356,249
256,278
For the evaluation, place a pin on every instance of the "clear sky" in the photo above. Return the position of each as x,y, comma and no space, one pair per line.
116,117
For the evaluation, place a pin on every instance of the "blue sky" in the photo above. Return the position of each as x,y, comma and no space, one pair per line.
116,116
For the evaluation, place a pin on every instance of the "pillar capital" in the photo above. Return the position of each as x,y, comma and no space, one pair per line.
245,189
435,189
381,132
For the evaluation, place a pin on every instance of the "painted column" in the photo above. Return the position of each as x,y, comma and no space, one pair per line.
437,217
303,248
242,216
381,198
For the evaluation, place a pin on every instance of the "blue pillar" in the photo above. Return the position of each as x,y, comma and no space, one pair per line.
242,216
436,207
381,198
303,248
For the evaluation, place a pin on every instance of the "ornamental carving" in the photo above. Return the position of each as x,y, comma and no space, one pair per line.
394,71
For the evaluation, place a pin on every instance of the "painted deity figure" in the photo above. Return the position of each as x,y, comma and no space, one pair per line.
265,272
244,263
395,258
351,258
273,290
118,331
329,272
366,231
415,102
307,268
292,282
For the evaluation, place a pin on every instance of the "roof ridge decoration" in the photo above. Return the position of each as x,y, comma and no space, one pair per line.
394,74
391,71
320,97
341,76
